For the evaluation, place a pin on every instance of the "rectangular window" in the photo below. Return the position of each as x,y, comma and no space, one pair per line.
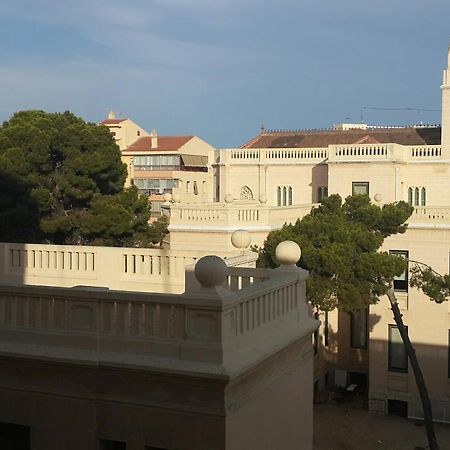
316,336
398,359
360,187
359,329
401,281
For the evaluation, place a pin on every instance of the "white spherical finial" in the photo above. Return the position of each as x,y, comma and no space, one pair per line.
263,198
229,198
210,271
287,253
378,197
176,198
241,239
167,197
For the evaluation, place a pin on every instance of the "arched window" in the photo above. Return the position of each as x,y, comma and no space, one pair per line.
279,196
284,195
416,196
423,200
410,196
290,195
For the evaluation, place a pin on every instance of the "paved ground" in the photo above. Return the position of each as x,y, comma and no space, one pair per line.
343,427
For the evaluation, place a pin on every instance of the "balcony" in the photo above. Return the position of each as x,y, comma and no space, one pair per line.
180,168
206,331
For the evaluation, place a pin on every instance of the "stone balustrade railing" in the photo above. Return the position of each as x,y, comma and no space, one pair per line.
269,155
134,269
360,152
429,215
332,153
234,215
211,330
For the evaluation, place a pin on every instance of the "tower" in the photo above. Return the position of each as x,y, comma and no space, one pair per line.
445,139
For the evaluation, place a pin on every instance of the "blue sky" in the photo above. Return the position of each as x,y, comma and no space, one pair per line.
221,68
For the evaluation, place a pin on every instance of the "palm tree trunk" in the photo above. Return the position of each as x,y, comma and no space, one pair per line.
420,382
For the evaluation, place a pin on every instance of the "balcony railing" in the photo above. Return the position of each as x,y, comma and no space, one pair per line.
332,153
132,269
201,331
172,168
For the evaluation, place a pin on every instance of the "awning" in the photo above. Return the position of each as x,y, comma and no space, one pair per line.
194,160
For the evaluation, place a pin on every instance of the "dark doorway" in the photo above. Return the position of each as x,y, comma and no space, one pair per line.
106,444
14,437
397,408
358,378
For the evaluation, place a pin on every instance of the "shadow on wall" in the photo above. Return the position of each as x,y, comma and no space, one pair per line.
391,384
319,182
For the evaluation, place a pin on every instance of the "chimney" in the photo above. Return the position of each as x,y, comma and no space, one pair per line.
154,136
111,115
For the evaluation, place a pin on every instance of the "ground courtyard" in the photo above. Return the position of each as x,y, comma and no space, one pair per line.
346,427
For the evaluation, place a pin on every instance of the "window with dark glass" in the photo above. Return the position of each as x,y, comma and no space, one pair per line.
401,281
448,361
322,192
398,359
326,333
360,187
358,329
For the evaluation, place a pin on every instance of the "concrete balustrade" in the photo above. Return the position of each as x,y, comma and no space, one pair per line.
250,155
131,269
333,153
129,327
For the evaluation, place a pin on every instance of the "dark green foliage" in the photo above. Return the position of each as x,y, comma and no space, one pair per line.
68,175
434,285
19,217
340,245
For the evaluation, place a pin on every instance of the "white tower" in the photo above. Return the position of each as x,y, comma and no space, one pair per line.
446,109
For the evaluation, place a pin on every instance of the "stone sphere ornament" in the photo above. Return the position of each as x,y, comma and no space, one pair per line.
241,239
229,198
167,197
287,253
211,271
378,197
263,198
176,198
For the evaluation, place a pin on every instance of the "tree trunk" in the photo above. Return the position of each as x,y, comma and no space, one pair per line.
420,382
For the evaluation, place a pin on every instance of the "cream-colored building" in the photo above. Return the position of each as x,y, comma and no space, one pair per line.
161,165
278,176
137,352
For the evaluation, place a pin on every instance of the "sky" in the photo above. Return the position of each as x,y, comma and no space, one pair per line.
222,68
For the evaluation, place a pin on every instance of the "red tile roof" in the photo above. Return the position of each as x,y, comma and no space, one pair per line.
112,121
165,144
324,138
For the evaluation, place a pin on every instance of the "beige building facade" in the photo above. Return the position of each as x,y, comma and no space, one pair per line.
277,176
94,367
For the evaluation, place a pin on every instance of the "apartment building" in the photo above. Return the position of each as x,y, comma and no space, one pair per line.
164,167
